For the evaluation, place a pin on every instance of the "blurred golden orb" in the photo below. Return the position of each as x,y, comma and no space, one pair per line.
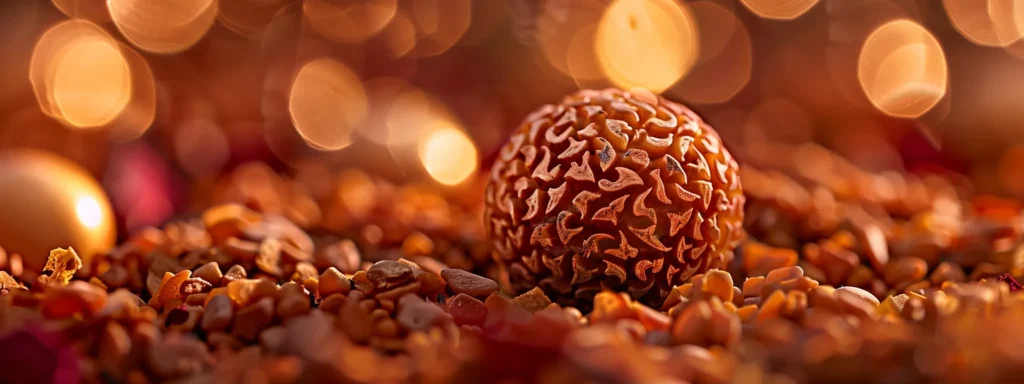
439,24
163,26
248,17
91,83
448,155
349,21
93,10
80,75
410,113
726,58
399,37
779,9
136,117
51,202
565,35
991,23
646,43
326,102
902,69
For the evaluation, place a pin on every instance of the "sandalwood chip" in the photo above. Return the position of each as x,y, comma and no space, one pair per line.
170,287
178,357
397,292
196,299
184,318
193,285
467,310
389,273
418,315
121,303
759,259
691,326
333,303
719,283
858,293
241,292
227,220
273,339
253,319
114,344
355,321
303,271
430,284
533,301
611,306
779,275
115,277
292,304
361,282
78,297
209,272
331,282
460,281
651,319
62,265
236,272
269,258
889,306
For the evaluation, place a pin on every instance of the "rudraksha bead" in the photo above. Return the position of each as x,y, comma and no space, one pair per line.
612,189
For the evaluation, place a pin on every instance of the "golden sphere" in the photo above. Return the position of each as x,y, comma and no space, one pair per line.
47,201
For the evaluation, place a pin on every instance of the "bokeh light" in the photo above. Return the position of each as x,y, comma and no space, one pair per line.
902,69
726,58
381,93
1007,19
448,155
411,113
80,75
779,9
400,36
326,102
993,23
248,17
439,24
163,26
565,35
581,57
648,44
348,21
849,25
136,117
91,82
92,10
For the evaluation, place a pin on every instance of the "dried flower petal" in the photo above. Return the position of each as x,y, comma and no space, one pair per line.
62,265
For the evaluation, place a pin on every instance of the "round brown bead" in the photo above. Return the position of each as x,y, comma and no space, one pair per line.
612,189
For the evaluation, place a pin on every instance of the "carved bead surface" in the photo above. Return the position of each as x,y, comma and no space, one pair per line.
612,190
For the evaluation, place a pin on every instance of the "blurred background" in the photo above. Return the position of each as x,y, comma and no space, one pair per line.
157,100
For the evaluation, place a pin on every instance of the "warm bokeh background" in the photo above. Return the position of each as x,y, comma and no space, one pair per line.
157,98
